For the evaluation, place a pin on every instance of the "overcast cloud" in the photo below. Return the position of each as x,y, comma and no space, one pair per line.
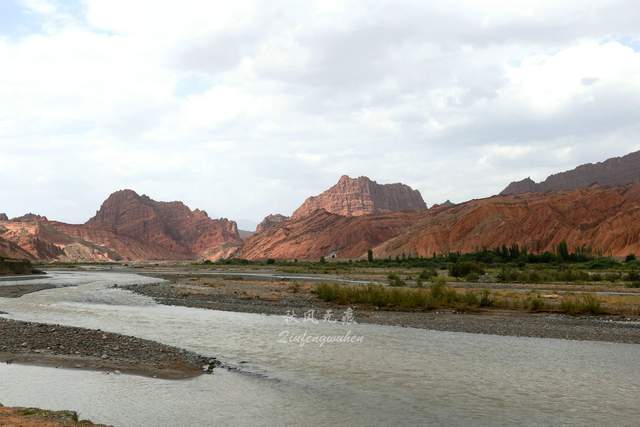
245,108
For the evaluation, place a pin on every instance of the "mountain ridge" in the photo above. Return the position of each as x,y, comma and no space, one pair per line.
612,172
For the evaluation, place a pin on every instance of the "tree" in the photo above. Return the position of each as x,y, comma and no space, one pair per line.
370,255
563,250
630,258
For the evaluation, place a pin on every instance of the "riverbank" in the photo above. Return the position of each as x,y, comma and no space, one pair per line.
16,266
285,297
78,348
35,417
16,291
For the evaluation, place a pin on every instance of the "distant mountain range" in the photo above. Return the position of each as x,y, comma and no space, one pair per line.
594,205
612,172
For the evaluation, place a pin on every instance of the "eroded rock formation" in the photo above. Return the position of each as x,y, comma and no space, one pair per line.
362,196
171,226
127,227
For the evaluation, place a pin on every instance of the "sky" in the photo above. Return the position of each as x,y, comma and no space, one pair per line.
246,108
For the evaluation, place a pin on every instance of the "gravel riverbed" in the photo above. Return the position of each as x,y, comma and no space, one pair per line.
282,298
69,347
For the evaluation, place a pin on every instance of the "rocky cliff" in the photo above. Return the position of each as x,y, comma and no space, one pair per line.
168,225
362,196
612,172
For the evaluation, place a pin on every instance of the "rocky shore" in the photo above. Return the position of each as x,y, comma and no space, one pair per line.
35,417
282,297
69,347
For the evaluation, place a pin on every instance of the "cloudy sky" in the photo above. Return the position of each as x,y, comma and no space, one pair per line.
245,108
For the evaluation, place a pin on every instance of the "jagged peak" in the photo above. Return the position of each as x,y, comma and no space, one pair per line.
30,217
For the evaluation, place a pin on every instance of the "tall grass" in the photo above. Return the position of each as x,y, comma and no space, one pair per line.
439,295
585,304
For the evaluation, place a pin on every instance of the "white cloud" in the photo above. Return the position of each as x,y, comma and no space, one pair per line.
246,108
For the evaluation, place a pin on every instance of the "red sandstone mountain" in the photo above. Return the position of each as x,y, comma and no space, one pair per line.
613,172
604,219
127,227
168,225
324,234
271,221
362,196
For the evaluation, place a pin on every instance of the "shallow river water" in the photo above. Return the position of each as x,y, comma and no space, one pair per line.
383,375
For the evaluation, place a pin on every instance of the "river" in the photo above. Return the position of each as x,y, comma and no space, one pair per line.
382,375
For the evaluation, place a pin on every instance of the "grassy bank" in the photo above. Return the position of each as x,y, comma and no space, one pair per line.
439,295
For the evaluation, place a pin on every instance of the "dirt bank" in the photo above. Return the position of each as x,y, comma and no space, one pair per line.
273,297
68,347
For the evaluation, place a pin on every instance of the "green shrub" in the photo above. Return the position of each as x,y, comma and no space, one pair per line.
438,288
462,269
569,306
472,277
395,280
630,258
485,299
591,304
632,276
427,274
535,304
633,284
602,264
471,299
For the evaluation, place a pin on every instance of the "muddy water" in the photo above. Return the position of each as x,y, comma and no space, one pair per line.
381,375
